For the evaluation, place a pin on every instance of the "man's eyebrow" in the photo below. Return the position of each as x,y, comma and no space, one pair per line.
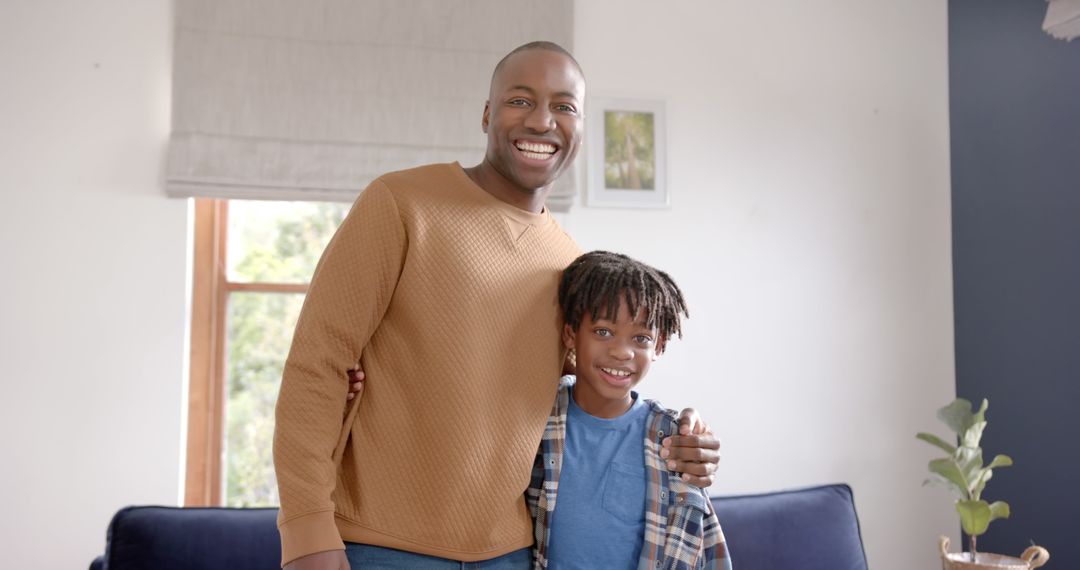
531,91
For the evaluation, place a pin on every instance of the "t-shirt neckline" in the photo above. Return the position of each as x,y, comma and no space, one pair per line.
513,212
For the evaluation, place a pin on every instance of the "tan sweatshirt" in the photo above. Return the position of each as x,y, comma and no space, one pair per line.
450,297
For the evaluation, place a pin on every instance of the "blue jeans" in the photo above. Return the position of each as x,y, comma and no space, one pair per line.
365,557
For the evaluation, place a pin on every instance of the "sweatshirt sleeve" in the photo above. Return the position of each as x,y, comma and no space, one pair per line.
347,298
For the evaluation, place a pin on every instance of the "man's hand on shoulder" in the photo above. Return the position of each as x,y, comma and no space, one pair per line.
329,560
695,452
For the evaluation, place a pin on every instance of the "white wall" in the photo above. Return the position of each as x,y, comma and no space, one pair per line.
92,293
809,227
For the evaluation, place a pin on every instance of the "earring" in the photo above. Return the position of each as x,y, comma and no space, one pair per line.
572,357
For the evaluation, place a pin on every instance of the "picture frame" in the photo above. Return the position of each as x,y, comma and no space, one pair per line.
627,153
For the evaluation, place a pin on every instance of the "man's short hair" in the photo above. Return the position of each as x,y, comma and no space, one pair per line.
541,44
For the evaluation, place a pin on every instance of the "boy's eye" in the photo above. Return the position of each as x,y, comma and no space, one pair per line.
643,339
603,332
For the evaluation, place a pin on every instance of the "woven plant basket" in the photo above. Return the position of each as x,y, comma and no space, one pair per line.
1033,557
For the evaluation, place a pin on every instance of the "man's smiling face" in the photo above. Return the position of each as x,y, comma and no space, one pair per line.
533,117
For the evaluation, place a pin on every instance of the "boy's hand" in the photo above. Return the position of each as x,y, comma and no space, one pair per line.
329,560
695,452
356,382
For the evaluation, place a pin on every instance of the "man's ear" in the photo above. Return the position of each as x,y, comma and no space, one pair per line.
487,117
568,336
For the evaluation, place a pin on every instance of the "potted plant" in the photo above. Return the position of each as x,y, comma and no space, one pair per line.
963,471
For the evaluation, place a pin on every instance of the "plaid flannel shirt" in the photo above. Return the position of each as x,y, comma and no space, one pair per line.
681,530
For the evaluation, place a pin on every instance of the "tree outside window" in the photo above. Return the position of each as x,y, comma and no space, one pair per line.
263,256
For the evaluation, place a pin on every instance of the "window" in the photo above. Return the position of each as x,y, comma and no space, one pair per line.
252,263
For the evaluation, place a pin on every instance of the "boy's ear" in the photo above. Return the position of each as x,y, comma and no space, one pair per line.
569,335
660,346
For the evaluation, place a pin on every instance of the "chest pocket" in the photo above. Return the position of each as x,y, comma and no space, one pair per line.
624,492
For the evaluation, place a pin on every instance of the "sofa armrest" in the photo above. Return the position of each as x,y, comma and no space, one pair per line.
192,538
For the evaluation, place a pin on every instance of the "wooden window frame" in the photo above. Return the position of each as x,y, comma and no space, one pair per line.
209,312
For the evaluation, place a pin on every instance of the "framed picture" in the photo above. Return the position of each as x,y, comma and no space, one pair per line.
627,167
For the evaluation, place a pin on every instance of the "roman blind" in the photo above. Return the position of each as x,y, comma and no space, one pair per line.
313,99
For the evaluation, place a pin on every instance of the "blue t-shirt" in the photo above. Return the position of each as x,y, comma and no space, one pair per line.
599,517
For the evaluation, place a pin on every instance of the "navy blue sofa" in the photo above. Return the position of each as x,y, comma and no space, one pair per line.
814,528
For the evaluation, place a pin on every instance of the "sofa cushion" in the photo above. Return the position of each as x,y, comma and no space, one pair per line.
805,529
168,538
809,529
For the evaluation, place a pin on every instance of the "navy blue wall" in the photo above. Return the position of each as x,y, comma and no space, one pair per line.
1015,128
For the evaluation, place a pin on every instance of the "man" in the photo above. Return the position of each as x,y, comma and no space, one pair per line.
442,281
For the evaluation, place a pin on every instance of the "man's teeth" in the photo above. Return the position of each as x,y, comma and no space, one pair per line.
539,151
614,372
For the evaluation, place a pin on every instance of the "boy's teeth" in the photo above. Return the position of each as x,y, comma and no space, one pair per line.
614,372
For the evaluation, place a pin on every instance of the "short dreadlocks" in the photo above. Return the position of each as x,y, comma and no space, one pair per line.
598,280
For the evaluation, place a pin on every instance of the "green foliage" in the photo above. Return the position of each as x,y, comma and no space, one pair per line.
962,468
629,150
280,242
975,516
272,243
935,440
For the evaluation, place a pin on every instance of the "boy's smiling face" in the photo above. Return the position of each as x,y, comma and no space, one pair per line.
612,357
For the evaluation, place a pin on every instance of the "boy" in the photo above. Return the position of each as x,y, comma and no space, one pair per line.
616,509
